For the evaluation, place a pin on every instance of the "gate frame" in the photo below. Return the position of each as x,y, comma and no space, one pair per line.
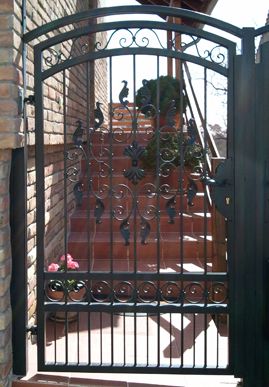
250,252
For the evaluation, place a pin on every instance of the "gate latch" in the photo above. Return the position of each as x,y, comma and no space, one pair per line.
33,331
221,188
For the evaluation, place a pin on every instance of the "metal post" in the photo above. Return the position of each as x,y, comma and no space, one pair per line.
19,263
248,220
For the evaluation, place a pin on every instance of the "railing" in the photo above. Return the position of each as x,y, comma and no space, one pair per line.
219,249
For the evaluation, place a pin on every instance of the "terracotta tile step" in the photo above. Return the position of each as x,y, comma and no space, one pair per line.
195,222
170,245
126,200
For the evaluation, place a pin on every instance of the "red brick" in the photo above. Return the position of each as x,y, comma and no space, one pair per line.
8,73
6,38
6,6
9,107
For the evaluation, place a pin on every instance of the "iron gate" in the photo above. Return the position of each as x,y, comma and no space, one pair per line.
137,269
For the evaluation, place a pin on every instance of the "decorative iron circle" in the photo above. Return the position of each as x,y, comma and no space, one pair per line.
147,292
124,291
170,292
78,292
218,293
194,293
101,291
55,290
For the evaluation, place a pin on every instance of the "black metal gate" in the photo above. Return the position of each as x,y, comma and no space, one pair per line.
153,256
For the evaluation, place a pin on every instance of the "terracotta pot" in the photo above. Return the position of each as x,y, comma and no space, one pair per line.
60,297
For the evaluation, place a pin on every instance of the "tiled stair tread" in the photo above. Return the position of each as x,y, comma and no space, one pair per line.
117,237
84,214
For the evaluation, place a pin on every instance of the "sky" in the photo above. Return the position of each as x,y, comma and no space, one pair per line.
242,13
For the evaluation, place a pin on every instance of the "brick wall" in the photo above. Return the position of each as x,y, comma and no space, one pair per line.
39,12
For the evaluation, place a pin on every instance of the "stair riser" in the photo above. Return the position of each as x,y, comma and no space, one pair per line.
170,250
189,225
143,202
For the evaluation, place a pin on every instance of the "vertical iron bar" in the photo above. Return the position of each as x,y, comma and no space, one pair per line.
78,339
40,204
182,339
158,215
181,175
55,340
110,170
205,338
65,208
124,338
218,327
101,337
170,339
112,338
89,339
87,161
194,341
147,339
134,128
66,336
205,215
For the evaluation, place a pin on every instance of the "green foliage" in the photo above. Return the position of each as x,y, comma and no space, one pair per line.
170,90
173,149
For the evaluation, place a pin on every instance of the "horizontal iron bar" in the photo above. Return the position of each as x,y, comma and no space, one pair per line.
129,24
262,30
125,276
121,368
133,51
150,308
154,10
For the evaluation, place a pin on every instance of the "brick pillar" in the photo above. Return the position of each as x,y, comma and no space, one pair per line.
5,270
10,126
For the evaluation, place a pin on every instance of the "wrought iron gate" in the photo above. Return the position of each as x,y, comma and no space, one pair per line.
139,270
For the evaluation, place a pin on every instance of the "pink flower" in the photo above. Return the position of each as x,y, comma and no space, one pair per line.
53,267
68,257
72,265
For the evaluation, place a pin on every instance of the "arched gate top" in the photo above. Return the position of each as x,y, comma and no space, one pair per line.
154,10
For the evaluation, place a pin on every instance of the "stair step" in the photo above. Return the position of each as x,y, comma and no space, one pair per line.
122,197
191,222
99,246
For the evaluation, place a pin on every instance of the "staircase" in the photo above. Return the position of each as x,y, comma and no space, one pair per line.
136,234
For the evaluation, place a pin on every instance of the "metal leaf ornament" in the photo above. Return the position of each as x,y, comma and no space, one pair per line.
78,134
192,190
145,231
98,116
125,231
135,152
170,209
99,210
78,193
124,94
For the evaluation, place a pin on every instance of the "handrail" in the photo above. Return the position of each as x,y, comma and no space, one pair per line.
211,142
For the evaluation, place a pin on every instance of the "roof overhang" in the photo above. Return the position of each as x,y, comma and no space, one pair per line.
203,6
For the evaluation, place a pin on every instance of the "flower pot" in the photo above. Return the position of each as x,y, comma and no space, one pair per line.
59,296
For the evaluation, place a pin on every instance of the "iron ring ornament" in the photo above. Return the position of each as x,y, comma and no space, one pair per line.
170,292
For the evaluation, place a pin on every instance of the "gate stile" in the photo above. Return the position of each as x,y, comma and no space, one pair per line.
145,297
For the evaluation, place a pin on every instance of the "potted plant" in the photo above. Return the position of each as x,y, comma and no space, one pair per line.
60,290
173,150
170,98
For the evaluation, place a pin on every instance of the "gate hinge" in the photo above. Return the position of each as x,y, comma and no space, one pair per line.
32,329
30,100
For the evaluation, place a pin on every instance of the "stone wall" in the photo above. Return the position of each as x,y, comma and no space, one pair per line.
39,12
